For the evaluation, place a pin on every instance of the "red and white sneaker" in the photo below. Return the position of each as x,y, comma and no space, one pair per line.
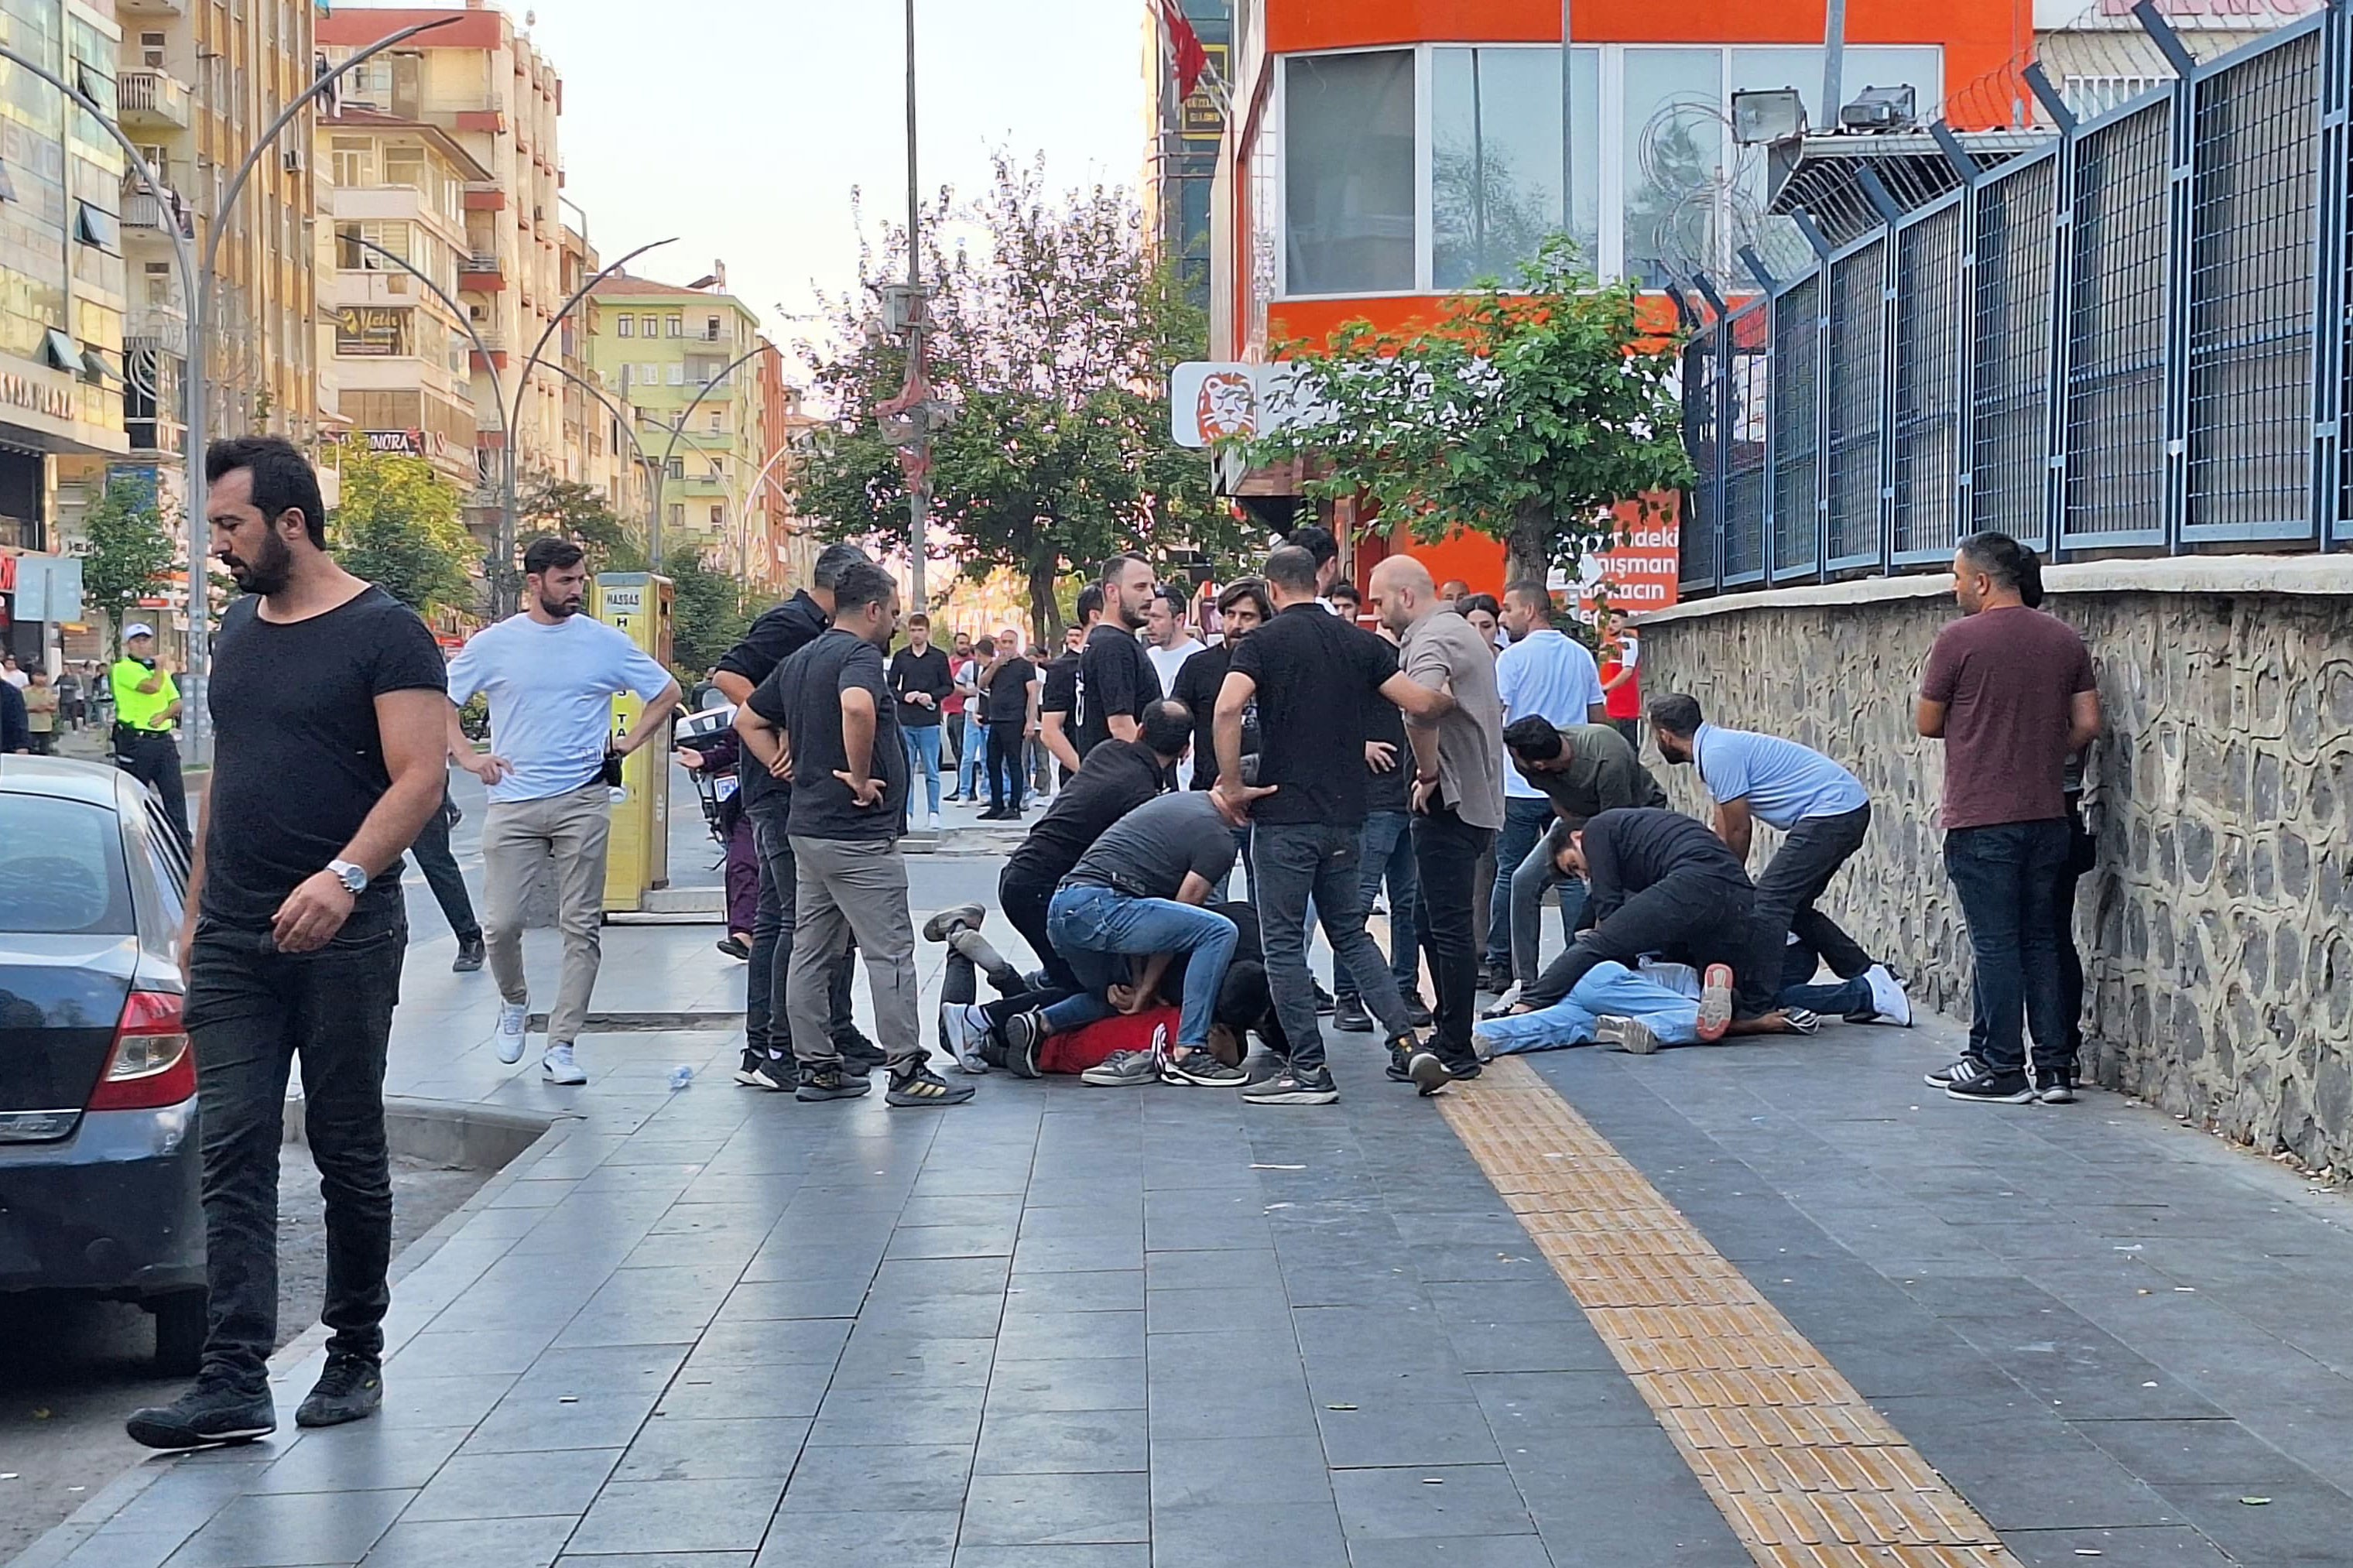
1715,1003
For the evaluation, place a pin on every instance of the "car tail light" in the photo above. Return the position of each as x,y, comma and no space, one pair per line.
150,1066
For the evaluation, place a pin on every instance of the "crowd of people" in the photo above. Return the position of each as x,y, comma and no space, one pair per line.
1333,763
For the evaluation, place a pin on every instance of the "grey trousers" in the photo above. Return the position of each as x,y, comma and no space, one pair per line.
849,888
567,832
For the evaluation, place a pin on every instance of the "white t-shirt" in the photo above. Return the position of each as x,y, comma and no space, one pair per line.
1166,663
1548,674
20,679
551,690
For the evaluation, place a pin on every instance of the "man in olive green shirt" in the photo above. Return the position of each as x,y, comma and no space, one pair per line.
147,710
1586,770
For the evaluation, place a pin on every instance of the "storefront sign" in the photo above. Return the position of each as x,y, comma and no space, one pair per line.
1211,401
1201,120
19,391
400,443
369,332
1643,571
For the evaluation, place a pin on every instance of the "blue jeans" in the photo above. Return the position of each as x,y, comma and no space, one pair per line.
1536,873
974,758
2008,878
1607,989
1291,863
1387,853
923,760
1097,929
1525,822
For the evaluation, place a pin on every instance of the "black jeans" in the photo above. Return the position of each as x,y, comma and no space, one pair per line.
1006,765
1696,916
441,874
765,1030
1802,868
152,757
1292,862
2008,878
251,1011
1446,851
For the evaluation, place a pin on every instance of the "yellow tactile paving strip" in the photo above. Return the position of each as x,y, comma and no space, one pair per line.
1807,1475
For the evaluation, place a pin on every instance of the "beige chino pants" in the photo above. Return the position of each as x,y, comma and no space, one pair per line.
567,832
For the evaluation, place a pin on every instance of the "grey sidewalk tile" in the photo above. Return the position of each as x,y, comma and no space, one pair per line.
114,1549
1125,1554
679,1516
1057,1509
917,1478
771,1301
1077,1254
467,1352
669,1249
539,1423
786,1258
602,1369
1242,1310
416,1401
1069,1336
363,1456
659,1560
999,1209
1936,1361
1279,1408
1454,1552
719,1393
1537,1407
2037,1484
992,1239
671,1449
291,1530
1516,1302
2302,1521
2164,1546
1294,1535
1622,1496
960,1315
884,1360
1035,1386
912,1415
1232,1269
905,1539
1060,1442
1541,1346
1237,1472
2159,1452
1393,1433
1427,1499
514,1486
901,1281
733,1218
473,1542
808,1342
1114,1219
1085,1290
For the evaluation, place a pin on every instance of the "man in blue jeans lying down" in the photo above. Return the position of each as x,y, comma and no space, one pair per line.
1611,1006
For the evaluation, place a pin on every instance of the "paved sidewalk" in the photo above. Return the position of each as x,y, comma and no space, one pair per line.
1069,1328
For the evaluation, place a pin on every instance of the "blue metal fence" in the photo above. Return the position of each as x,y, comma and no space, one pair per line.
2136,337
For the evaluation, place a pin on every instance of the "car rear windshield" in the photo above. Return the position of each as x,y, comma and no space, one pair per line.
61,867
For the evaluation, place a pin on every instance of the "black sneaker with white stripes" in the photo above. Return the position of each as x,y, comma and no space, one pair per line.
1988,1087
1967,1067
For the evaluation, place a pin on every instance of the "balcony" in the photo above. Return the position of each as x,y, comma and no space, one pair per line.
150,7
481,274
144,213
153,100
155,329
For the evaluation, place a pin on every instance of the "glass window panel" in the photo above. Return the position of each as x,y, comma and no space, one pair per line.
1495,158
1675,134
1349,166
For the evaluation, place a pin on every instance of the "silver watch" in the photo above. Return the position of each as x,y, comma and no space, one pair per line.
353,879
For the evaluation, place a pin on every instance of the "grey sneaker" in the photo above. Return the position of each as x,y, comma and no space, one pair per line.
963,1030
208,1415
1629,1034
919,1085
943,924
1122,1069
1294,1086
1202,1070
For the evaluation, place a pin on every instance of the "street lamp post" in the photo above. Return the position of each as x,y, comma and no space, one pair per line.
919,493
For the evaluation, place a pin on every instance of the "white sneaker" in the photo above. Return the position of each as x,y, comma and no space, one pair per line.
1887,997
962,1026
933,822
513,1017
1504,1004
557,1066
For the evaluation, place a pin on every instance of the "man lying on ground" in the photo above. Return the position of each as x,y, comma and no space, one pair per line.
1659,882
1611,1005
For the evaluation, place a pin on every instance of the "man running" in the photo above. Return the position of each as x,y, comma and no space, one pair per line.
326,700
550,675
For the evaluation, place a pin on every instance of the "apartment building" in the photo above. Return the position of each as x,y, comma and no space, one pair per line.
1181,140
661,347
399,356
477,81
783,552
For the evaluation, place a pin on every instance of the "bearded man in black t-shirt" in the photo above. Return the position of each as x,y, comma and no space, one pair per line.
1116,681
327,699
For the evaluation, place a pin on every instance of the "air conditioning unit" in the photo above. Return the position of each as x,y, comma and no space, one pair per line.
290,159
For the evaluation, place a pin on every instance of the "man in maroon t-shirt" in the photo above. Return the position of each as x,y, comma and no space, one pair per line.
2009,690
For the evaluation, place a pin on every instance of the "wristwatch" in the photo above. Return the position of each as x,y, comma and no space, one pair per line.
353,878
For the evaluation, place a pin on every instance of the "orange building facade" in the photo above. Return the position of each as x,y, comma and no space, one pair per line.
1384,153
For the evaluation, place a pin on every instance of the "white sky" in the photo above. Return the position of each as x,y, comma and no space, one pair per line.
741,126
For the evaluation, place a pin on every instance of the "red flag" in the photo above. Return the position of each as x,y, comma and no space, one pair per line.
1192,59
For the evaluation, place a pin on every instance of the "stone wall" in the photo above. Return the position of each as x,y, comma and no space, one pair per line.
2217,931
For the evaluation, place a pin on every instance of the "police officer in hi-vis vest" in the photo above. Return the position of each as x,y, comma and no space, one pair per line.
147,710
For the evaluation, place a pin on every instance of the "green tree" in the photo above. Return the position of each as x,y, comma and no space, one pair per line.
130,551
1529,417
582,513
1052,336
709,611
398,526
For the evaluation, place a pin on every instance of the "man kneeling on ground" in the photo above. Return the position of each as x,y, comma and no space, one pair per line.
1659,882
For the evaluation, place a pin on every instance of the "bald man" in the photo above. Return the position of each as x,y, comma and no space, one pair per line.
1457,794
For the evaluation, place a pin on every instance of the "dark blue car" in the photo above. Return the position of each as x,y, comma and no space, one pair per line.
100,1171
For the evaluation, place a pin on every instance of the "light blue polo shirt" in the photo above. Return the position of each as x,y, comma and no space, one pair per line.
1783,782
1547,674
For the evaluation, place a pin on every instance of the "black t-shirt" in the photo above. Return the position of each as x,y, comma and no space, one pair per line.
1315,673
1148,852
1059,693
803,695
1197,683
781,632
1385,721
1114,781
1636,847
928,672
1114,676
1008,692
297,762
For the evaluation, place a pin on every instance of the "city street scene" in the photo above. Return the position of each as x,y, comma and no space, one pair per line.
1176,784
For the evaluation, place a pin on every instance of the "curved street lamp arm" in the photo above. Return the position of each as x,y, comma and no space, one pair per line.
522,377
465,322
685,413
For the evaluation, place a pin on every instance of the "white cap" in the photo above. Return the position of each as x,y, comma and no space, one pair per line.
138,629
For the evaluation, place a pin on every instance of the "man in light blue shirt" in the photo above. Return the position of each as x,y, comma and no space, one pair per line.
550,675
1825,812
1549,675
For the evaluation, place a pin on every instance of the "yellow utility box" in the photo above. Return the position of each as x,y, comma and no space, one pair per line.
637,604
